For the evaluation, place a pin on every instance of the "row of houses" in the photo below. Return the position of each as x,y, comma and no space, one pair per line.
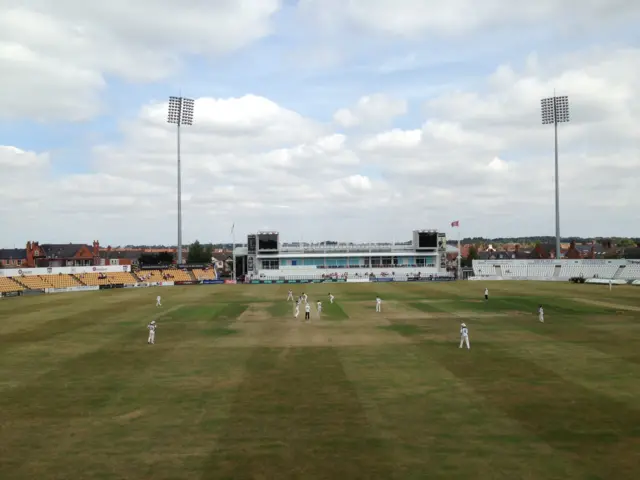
572,251
79,255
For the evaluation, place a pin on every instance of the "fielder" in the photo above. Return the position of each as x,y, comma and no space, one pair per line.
307,312
305,297
464,336
158,301
486,294
152,332
331,298
540,314
378,304
290,296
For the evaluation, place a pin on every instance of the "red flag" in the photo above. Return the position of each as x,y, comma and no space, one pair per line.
456,223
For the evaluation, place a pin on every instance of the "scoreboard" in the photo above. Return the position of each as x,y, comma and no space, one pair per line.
425,240
268,242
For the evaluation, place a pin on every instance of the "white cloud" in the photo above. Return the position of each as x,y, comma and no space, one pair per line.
375,111
479,155
413,18
54,56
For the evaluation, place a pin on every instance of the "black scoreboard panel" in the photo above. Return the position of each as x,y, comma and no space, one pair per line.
267,242
251,244
427,240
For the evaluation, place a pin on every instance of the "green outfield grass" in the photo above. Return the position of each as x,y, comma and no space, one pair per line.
235,388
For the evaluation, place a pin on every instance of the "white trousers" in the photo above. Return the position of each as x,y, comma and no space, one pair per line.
297,313
541,318
464,340
152,337
158,304
378,307
290,297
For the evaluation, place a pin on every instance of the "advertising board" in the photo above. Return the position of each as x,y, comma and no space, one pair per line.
73,289
11,294
18,272
32,292
111,286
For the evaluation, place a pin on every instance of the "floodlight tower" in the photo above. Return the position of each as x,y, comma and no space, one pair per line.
180,113
556,110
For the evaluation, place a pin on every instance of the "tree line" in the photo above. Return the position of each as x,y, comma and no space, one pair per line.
198,253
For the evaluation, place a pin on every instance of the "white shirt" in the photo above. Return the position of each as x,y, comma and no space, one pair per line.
307,308
152,328
319,305
378,300
464,332
540,311
486,291
331,297
158,299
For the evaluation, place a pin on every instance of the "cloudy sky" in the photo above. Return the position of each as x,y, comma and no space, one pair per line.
322,119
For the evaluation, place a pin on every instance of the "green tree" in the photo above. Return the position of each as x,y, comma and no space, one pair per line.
626,242
471,256
162,258
199,253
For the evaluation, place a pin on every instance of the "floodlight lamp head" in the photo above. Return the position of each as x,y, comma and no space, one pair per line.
554,110
187,111
180,111
175,107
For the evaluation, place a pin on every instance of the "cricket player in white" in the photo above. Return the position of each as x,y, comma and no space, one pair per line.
307,312
158,301
290,296
304,295
540,314
297,312
152,332
464,335
378,304
319,307
486,294
331,298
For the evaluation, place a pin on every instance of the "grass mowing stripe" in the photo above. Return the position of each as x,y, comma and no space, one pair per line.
438,427
294,416
333,311
83,386
577,332
599,431
589,367
58,326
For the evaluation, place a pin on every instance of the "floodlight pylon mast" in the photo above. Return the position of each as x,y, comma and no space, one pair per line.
556,110
180,113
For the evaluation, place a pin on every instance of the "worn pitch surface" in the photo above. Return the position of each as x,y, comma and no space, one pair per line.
236,388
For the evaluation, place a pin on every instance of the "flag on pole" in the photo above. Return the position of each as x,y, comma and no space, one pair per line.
456,223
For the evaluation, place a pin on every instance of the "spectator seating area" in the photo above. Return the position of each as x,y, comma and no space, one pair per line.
42,282
151,276
97,279
33,282
8,285
629,272
61,281
271,275
557,269
201,274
